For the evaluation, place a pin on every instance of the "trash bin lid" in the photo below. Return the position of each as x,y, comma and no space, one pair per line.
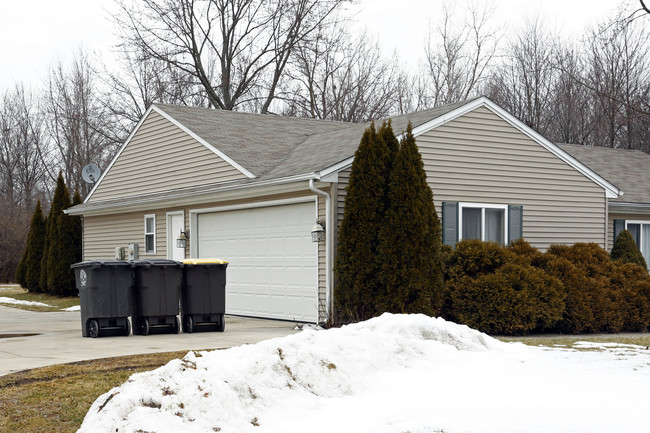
204,262
155,262
99,262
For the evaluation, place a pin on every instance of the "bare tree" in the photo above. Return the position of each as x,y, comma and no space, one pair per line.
237,50
21,148
619,76
78,123
140,82
339,77
523,83
459,54
571,109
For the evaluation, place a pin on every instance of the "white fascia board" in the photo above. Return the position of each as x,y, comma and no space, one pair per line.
210,147
119,152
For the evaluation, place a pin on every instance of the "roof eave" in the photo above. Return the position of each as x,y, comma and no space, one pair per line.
185,196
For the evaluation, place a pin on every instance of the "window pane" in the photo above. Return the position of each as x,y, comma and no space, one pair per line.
635,230
645,243
149,225
148,239
494,225
471,223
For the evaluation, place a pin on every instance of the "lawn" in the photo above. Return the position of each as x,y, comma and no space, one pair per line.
55,399
55,303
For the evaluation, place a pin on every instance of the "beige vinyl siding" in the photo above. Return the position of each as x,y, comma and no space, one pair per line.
622,216
480,158
341,186
159,157
103,233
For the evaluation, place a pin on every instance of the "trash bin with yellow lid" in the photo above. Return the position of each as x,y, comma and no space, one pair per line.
203,295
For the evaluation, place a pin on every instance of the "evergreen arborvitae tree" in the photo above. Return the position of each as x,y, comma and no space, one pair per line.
60,278
21,271
357,262
58,204
77,229
626,250
34,250
411,238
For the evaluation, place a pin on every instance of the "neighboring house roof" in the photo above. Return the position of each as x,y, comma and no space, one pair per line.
627,169
269,148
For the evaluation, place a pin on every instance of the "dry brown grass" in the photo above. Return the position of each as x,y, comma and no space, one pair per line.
55,399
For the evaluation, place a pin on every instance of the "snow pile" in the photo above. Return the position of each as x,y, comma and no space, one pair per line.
73,308
5,300
391,374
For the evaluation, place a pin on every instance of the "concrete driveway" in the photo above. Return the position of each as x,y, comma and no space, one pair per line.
58,339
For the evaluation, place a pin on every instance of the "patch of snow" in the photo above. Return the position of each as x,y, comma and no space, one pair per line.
6,300
391,374
73,308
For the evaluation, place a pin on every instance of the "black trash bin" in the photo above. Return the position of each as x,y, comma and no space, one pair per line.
157,296
106,296
203,296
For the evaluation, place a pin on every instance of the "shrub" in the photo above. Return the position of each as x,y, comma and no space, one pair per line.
631,283
515,299
627,251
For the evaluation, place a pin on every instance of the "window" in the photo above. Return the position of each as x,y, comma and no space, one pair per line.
484,222
150,234
640,231
487,222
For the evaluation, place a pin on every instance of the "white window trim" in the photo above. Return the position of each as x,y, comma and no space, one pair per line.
153,233
483,206
640,237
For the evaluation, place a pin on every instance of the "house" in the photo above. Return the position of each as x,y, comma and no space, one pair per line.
249,188
629,170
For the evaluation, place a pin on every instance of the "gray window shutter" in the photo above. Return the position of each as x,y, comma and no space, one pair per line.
619,226
449,223
515,222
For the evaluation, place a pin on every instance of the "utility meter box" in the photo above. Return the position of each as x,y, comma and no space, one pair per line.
119,253
133,252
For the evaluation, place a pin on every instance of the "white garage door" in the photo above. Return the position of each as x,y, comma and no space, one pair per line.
272,269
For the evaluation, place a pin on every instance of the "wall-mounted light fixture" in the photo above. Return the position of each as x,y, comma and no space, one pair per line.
318,232
181,241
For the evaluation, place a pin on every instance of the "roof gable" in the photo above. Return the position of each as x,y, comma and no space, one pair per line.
427,120
158,154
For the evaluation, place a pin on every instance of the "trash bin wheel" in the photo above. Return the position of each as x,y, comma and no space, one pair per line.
188,324
93,328
127,328
144,326
176,327
221,326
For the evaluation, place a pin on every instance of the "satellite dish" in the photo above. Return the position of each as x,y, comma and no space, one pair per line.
91,173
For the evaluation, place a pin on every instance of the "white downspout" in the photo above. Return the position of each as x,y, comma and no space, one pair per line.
328,246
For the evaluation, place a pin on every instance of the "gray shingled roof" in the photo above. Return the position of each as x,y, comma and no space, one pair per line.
628,169
272,146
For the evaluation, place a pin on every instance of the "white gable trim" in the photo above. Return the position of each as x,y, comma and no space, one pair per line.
611,190
151,108
210,147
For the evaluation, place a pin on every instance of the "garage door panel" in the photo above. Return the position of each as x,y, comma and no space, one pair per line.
272,269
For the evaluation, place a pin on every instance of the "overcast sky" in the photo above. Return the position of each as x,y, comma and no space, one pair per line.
35,32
